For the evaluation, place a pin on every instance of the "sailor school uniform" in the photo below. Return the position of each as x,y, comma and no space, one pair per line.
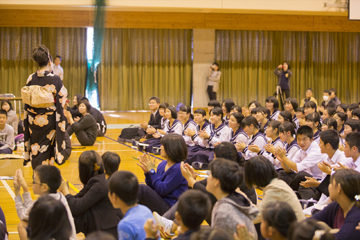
276,143
317,137
275,115
259,139
190,124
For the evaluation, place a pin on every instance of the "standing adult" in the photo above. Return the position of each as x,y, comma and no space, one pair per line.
283,72
213,81
58,70
44,126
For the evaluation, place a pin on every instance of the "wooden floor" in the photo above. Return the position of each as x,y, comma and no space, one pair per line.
116,121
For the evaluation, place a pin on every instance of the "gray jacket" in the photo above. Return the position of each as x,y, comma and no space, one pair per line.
236,208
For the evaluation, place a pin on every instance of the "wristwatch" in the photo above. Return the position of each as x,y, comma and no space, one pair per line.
152,171
149,126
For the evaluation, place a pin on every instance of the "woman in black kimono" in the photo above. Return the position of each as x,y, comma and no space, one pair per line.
45,127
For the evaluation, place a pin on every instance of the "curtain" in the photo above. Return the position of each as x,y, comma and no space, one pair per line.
140,63
318,60
16,64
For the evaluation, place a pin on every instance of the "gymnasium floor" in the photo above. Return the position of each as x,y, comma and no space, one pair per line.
129,156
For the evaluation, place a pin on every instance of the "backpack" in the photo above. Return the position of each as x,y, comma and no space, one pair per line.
130,133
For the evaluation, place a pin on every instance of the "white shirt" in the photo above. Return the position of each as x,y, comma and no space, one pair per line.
275,115
176,127
58,70
339,156
259,140
197,139
219,135
190,124
239,136
276,143
355,165
307,160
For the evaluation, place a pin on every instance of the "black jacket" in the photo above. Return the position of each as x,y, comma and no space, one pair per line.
155,122
100,120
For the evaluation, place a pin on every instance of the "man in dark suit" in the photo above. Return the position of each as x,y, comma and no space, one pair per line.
155,119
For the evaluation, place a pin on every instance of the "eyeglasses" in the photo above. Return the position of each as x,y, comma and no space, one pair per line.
36,183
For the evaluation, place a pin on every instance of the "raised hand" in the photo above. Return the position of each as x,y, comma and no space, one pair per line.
310,182
189,132
146,163
254,148
324,167
280,153
240,146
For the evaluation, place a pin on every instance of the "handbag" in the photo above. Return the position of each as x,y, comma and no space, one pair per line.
37,96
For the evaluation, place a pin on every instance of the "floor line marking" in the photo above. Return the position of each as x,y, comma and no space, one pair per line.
8,188
71,186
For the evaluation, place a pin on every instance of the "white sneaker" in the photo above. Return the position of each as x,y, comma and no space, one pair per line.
165,226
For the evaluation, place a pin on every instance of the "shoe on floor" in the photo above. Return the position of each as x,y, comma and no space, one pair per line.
165,226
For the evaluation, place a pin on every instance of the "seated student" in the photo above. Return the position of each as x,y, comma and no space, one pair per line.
213,104
219,132
352,149
172,125
328,113
189,124
48,219
355,114
304,163
313,121
47,180
328,102
334,97
342,108
12,118
286,134
351,125
259,172
111,161
329,145
277,217
231,208
237,132
350,109
165,185
75,109
273,105
155,118
329,123
310,229
202,124
192,209
285,116
6,135
309,107
224,150
226,108
151,130
272,133
300,114
308,97
344,212
340,120
236,108
123,194
91,207
99,118
291,104
251,128
262,115
85,129
247,110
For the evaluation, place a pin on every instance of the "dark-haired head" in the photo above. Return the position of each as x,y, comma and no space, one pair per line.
278,215
305,131
305,230
259,172
331,137
200,111
163,106
287,127
349,182
236,108
217,112
313,120
333,91
300,110
250,124
272,103
228,151
329,112
175,149
329,123
170,112
111,161
156,99
3,112
343,107
340,118
226,105
214,103
353,106
90,165
273,129
125,186
285,116
187,110
48,219
238,117
354,124
352,140
200,116
227,172
6,105
291,104
87,105
254,104
309,107
356,114
41,56
193,207
49,175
